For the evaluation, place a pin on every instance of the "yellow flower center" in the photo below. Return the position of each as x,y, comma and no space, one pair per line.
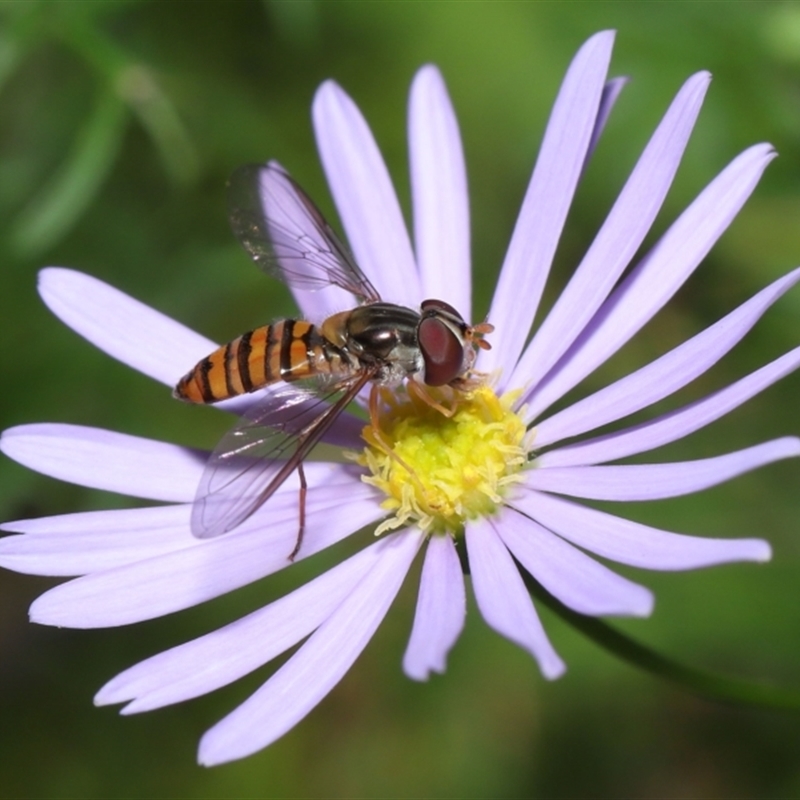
438,471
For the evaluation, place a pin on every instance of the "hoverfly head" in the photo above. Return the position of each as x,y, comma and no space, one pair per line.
447,343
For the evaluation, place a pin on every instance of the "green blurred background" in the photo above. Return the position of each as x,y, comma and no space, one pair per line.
119,123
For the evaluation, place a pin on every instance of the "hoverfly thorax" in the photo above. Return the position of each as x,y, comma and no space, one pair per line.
385,335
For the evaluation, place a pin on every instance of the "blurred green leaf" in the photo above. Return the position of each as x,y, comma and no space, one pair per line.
62,201
297,20
139,88
782,32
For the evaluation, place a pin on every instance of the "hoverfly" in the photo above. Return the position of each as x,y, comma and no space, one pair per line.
374,342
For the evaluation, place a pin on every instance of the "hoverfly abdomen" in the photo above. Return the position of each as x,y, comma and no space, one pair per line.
289,350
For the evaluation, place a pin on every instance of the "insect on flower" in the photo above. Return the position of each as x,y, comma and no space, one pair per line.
382,343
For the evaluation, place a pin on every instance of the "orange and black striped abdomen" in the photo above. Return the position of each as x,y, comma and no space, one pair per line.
289,350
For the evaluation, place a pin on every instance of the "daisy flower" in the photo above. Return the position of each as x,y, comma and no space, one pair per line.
499,478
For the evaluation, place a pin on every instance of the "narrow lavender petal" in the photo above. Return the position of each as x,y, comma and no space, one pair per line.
364,196
656,481
547,201
101,459
665,375
441,611
619,238
77,544
115,462
439,193
346,432
633,543
116,522
301,683
611,92
207,568
656,278
578,581
502,598
126,329
225,655
673,425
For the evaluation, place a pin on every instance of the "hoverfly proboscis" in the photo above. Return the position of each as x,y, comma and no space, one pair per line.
374,342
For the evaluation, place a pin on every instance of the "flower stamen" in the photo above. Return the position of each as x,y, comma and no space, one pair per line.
442,458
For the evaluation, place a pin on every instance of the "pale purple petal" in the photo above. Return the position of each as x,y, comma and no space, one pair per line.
633,543
547,201
441,610
225,655
207,568
656,278
126,329
503,599
100,459
673,425
611,91
365,197
665,375
301,683
439,193
118,522
656,481
346,432
577,580
619,238
77,544
118,462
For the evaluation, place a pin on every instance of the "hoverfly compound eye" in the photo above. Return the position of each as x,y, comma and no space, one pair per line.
442,351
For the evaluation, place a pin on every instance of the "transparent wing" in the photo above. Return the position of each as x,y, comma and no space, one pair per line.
286,234
261,451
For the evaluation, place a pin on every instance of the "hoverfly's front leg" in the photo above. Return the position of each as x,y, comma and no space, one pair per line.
471,378
381,441
417,391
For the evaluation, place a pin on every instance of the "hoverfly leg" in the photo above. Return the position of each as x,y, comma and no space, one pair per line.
417,391
302,529
470,381
381,442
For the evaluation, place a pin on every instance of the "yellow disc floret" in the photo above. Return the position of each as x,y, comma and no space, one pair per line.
443,456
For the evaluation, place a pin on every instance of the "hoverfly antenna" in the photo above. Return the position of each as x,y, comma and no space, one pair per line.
479,331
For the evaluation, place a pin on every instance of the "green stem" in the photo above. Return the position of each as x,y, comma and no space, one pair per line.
705,684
